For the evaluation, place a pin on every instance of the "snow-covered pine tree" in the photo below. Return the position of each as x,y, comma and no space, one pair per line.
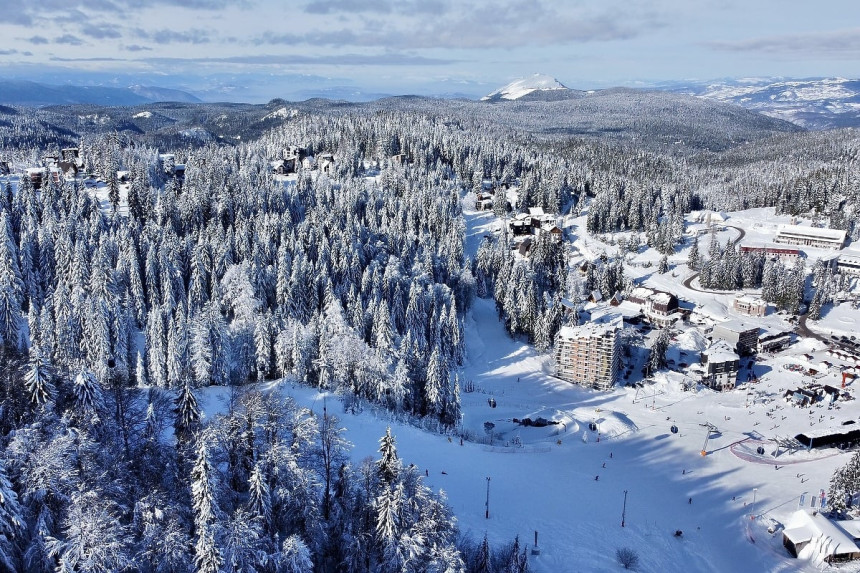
11,524
38,380
388,465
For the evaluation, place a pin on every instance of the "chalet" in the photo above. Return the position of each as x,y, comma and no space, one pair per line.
325,163
810,237
525,246
658,306
741,335
553,230
398,159
784,254
70,154
284,166
521,225
750,306
50,160
37,173
595,296
721,365
484,202
814,535
69,169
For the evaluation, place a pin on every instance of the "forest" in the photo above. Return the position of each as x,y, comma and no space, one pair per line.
355,281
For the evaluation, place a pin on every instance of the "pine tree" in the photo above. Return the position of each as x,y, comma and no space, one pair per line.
815,306
657,356
259,499
88,396
663,267
388,465
37,380
204,505
11,523
483,559
187,420
294,556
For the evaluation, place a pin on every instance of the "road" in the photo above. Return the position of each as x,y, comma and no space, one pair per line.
688,282
805,332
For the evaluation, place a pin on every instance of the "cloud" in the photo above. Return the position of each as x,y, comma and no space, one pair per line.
136,48
100,31
69,39
844,43
96,59
38,40
165,36
299,59
479,25
8,52
376,6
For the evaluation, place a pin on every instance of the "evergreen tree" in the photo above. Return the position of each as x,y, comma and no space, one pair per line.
37,380
388,464
187,411
11,523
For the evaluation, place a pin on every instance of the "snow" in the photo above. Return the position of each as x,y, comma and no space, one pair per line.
143,114
543,478
525,86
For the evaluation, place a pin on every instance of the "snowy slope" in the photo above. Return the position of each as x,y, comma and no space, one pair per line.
543,479
525,86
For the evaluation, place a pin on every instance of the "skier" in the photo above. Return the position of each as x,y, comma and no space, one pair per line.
596,478
690,501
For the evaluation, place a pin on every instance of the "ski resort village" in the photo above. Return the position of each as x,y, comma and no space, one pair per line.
528,333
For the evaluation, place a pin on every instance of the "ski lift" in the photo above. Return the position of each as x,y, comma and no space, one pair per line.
674,429
760,450
592,426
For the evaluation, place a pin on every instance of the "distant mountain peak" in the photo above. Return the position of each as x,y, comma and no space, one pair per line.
525,86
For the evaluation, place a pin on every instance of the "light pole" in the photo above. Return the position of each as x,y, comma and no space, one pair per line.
752,515
487,513
624,509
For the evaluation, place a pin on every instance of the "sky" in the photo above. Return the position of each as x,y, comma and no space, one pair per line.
255,50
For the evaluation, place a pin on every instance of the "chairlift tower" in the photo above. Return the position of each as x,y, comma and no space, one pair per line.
709,428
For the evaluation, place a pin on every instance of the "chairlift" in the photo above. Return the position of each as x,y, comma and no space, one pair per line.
674,429
760,450
592,426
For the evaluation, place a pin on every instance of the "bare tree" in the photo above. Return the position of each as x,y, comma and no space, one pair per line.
627,557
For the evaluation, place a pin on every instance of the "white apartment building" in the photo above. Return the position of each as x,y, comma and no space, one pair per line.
590,354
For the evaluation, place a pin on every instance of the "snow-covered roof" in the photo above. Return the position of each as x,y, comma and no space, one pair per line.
736,325
536,211
804,526
813,232
720,351
592,329
641,292
661,298
846,259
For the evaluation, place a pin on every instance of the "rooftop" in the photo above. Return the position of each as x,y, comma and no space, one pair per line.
816,232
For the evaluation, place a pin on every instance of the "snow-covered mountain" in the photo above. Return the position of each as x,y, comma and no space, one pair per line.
27,93
537,84
816,103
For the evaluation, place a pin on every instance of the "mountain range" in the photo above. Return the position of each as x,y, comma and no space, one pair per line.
27,93
814,103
